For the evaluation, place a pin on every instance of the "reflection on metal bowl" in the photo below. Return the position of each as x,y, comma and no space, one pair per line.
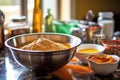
42,61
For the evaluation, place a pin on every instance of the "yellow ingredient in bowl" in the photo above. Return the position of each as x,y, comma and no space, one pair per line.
88,51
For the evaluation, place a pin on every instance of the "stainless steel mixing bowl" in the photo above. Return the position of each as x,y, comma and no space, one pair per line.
42,61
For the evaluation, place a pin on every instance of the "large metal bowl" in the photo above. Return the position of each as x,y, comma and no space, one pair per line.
42,61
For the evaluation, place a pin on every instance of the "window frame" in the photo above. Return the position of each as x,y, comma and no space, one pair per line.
23,7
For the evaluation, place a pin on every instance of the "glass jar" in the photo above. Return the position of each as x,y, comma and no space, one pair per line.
98,38
106,20
17,26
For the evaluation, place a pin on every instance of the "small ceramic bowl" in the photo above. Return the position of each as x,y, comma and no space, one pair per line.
111,43
103,68
83,55
112,47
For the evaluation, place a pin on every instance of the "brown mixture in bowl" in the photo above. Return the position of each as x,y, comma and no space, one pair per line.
45,45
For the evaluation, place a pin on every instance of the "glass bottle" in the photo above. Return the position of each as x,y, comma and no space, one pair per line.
37,17
106,20
49,22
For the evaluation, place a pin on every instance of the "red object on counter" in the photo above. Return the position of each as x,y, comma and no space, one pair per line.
111,43
112,47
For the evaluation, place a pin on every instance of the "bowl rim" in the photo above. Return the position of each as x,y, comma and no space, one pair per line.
109,43
89,44
79,41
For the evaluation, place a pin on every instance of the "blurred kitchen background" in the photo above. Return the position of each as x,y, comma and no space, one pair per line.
62,10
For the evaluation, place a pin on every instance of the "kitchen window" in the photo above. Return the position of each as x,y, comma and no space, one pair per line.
10,8
25,7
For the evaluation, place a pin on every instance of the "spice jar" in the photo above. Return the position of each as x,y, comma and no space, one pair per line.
91,31
98,38
17,26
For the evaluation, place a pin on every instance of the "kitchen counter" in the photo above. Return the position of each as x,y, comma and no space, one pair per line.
10,70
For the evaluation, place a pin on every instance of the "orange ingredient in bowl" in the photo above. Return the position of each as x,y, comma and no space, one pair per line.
102,58
88,51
